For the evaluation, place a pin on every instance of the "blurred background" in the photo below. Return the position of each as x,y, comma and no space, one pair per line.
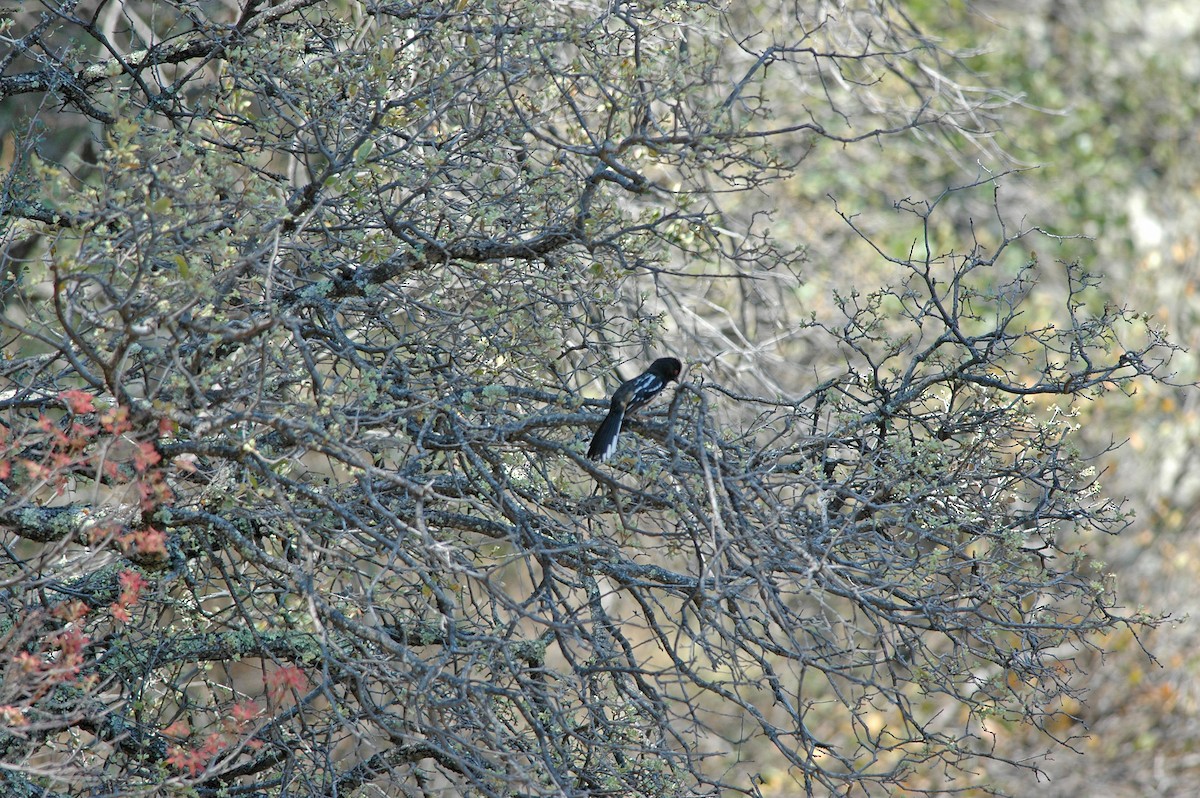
1103,126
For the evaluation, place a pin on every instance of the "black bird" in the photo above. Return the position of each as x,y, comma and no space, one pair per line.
629,397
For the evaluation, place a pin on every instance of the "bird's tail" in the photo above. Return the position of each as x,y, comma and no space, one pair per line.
604,444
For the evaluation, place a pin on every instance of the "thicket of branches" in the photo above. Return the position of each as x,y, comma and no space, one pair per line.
308,313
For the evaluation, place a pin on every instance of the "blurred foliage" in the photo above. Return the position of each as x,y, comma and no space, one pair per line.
1106,128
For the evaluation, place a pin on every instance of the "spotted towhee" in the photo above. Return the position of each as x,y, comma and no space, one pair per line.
629,397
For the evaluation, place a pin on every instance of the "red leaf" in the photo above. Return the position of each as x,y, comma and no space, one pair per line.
145,456
79,401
